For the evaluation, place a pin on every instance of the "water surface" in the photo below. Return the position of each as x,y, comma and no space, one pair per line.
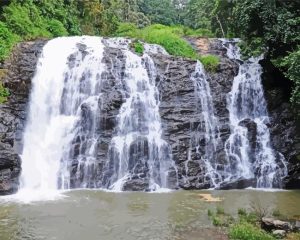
87,214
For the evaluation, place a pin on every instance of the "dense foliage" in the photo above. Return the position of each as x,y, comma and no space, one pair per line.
273,27
265,26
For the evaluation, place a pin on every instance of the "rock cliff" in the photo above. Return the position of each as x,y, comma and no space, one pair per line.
178,109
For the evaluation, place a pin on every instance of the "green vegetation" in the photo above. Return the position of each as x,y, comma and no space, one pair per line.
219,218
247,226
293,236
168,37
247,231
271,26
7,40
4,93
171,38
138,47
210,62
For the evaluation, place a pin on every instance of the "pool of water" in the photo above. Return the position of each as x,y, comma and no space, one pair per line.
87,214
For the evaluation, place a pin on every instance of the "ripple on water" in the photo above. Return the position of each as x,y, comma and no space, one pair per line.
85,214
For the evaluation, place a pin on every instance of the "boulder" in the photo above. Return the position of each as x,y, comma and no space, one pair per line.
270,224
279,233
238,184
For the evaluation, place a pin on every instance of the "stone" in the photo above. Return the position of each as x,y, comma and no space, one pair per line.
279,233
270,224
136,185
238,184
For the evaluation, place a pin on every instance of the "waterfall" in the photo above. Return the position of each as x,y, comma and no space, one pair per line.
250,158
64,127
65,89
138,150
208,128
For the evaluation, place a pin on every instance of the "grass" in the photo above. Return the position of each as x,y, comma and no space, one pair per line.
138,47
171,38
293,236
247,231
4,93
246,226
211,62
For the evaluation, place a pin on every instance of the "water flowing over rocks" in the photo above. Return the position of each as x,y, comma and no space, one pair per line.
194,127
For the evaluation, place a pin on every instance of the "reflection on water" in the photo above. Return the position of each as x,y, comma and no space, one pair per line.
93,215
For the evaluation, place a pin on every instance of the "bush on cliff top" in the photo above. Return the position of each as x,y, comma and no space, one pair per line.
170,38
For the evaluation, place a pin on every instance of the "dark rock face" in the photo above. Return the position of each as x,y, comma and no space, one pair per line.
284,127
181,119
179,115
238,184
20,70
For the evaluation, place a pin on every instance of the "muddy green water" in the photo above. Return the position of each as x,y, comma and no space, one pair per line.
89,215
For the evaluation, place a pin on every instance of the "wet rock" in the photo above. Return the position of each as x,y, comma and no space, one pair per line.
284,126
20,68
297,226
239,184
270,224
136,185
279,233
252,132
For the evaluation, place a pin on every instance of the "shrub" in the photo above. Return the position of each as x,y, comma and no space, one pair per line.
246,231
210,62
138,47
217,221
4,93
127,30
242,212
170,38
220,210
209,213
26,21
7,41
56,28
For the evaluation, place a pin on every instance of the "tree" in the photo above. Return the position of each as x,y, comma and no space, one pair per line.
271,26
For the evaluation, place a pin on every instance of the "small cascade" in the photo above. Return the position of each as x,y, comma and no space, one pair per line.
138,154
207,135
249,149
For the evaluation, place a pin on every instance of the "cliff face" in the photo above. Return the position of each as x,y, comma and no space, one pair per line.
19,70
178,109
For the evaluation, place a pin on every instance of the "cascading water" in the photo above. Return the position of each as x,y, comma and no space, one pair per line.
63,132
138,150
246,104
65,87
64,137
208,128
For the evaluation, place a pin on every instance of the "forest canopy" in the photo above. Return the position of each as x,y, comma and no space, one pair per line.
265,26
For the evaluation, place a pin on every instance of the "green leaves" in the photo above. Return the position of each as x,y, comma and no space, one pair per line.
271,27
247,231
7,40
